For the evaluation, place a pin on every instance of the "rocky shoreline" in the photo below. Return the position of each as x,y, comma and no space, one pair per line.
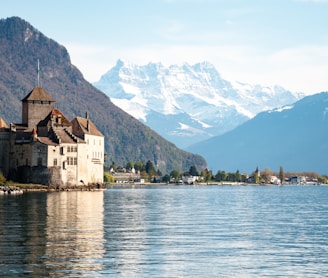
21,188
10,190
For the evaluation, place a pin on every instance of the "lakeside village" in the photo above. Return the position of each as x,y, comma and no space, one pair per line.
141,173
50,152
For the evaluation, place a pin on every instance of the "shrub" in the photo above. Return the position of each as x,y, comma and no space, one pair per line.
108,178
2,178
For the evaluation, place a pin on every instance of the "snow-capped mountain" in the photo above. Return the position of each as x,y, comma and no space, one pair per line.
187,103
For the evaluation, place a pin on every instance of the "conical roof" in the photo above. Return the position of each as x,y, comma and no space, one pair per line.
38,93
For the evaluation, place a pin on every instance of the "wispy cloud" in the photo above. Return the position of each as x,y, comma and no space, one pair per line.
300,68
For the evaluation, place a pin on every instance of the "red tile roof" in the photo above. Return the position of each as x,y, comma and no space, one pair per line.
80,127
56,113
47,141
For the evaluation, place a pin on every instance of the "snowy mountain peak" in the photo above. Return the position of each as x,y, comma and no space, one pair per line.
187,103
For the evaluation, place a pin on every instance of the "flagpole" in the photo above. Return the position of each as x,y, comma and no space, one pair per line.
38,73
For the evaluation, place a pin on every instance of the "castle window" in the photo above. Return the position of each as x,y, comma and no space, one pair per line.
39,161
64,165
55,162
71,160
61,150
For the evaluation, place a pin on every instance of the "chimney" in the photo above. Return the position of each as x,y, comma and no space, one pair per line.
88,124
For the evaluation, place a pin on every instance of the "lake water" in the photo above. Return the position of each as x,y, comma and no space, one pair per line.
167,231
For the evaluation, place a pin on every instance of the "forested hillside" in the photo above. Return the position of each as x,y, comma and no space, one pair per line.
126,139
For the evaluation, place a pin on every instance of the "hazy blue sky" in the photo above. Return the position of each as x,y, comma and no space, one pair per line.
282,42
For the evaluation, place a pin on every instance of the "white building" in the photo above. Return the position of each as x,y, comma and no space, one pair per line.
49,149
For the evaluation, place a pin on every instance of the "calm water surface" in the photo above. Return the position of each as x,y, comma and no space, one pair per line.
177,231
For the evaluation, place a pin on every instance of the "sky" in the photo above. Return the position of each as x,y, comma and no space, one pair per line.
267,42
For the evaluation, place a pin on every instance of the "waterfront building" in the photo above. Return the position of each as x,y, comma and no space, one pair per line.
47,148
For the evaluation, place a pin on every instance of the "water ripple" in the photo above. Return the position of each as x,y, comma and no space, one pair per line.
185,231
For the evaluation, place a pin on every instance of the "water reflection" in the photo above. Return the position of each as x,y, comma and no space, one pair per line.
125,231
51,234
74,232
22,233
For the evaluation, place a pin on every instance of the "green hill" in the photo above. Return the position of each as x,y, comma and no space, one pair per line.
126,139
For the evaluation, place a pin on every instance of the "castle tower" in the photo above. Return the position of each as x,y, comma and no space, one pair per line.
36,105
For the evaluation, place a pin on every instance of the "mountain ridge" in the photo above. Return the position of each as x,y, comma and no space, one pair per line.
187,103
294,136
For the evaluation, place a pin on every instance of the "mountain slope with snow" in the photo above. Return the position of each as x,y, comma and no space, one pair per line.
187,103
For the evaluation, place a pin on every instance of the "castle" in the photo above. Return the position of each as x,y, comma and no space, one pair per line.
47,148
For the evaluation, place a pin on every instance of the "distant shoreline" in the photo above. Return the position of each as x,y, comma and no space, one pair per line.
97,187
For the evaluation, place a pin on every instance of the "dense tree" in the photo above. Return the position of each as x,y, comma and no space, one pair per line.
221,176
150,169
175,174
266,174
229,177
166,178
256,178
238,176
139,166
144,175
322,179
207,175
129,165
281,174
193,171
